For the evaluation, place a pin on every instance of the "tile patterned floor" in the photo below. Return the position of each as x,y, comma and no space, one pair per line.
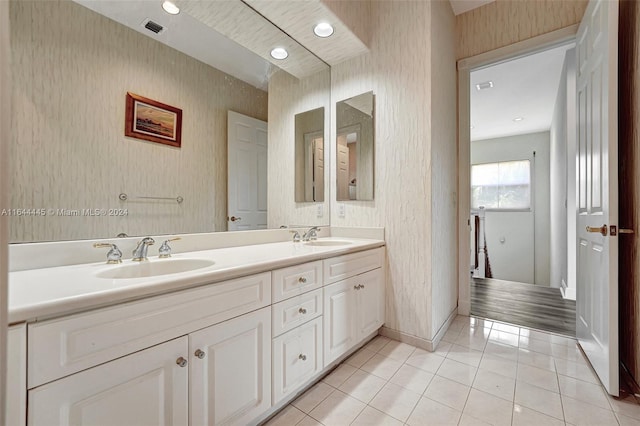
482,373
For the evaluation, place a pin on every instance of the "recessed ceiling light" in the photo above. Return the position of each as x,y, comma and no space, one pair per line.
170,8
279,53
518,119
485,85
323,29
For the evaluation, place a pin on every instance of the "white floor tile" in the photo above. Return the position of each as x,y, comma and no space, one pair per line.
503,351
447,392
395,401
498,365
577,371
427,361
495,384
377,343
362,386
538,399
544,379
474,338
513,329
311,398
536,359
382,366
580,413
443,348
359,358
467,420
570,353
582,391
412,378
504,337
536,345
372,417
287,417
451,335
458,372
428,412
479,322
465,355
337,409
489,408
627,406
627,421
309,421
397,350
339,375
523,416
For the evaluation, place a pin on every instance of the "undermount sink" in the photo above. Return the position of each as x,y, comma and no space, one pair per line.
328,243
155,268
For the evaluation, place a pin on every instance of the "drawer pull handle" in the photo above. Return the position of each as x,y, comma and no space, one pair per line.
302,357
181,362
200,354
302,280
302,311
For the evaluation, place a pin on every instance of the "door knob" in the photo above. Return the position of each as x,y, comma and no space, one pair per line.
601,230
234,218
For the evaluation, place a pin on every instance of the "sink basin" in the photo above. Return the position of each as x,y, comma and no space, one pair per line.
328,243
155,268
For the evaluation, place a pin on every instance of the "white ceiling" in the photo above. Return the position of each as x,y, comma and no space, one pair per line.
526,87
462,6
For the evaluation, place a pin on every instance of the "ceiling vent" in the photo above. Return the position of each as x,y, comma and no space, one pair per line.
153,26
485,85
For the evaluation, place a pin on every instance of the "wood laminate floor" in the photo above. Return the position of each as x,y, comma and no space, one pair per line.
527,305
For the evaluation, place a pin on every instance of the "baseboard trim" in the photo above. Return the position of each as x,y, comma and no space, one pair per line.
568,293
464,307
419,342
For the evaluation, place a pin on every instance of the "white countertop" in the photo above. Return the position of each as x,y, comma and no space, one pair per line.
49,292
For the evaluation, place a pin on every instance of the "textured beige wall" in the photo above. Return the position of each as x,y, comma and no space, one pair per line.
289,96
399,71
504,22
72,70
444,165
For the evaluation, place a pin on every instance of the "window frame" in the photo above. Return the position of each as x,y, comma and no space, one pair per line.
506,210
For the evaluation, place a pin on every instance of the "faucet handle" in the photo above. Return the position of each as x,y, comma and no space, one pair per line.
114,255
296,236
165,250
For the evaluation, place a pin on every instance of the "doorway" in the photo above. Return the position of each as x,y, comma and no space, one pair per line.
519,161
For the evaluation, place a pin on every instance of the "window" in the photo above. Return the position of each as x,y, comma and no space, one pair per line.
501,186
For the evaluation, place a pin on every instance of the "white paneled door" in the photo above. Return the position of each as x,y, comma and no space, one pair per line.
597,213
246,172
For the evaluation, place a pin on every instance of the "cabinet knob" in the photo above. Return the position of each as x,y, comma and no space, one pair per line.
181,362
361,285
302,280
200,354
356,287
302,357
302,311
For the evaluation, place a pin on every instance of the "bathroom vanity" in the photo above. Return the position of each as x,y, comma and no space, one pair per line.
228,343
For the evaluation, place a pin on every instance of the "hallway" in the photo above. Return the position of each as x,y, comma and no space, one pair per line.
522,304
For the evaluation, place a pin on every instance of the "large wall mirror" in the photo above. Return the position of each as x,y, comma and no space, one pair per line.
309,156
74,62
355,148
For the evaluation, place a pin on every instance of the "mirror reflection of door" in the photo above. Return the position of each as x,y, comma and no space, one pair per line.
348,159
314,166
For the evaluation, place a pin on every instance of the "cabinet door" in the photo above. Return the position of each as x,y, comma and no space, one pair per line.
339,319
369,302
16,408
145,388
230,374
297,357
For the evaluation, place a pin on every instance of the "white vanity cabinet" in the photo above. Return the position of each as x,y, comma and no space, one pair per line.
230,370
16,407
353,306
149,387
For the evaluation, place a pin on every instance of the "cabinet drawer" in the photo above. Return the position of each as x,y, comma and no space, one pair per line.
297,357
290,313
295,280
67,345
342,267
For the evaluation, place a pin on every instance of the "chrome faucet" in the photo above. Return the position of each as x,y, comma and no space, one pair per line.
114,255
165,250
311,234
140,253
296,236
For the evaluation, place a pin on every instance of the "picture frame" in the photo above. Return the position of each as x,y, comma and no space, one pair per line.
152,121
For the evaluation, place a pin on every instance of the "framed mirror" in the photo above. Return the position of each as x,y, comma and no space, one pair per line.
355,146
77,175
309,156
